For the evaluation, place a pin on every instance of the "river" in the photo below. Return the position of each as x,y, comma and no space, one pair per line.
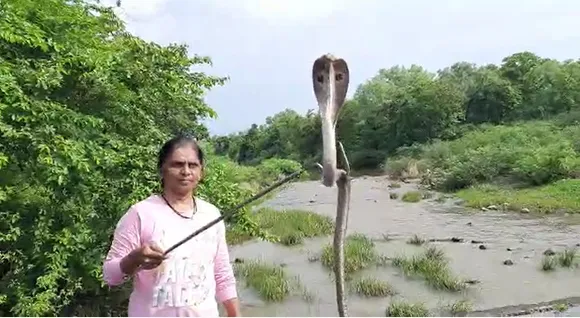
521,238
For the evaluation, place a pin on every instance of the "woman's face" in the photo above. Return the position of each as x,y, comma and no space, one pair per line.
182,170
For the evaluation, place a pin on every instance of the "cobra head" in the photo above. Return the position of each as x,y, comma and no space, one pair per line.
330,79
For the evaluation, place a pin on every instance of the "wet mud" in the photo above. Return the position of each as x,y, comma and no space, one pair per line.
500,251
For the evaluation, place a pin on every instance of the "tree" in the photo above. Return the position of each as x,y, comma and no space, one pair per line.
402,106
493,99
84,107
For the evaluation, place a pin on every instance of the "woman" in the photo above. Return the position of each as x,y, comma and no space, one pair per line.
189,280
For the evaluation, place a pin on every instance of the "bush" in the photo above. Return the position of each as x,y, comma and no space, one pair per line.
367,159
405,167
274,169
532,153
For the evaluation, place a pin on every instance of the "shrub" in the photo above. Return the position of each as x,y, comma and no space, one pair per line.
532,153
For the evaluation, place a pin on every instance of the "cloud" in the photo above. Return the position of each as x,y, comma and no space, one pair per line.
249,39
283,12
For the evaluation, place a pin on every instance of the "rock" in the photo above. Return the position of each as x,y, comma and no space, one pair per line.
452,239
508,249
393,195
482,247
313,258
311,201
508,262
549,252
427,195
238,260
525,210
469,224
483,208
283,265
492,207
375,201
472,281
476,242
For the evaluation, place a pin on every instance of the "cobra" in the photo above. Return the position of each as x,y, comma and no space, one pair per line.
330,78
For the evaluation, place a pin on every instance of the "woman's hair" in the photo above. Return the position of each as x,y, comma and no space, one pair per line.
174,143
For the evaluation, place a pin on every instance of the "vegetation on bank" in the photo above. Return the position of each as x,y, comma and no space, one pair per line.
288,227
530,166
560,196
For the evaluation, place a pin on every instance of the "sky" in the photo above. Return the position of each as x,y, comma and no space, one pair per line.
267,47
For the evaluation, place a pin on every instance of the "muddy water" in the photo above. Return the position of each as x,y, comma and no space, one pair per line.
376,215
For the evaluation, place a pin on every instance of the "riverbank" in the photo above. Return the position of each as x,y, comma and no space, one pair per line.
496,256
526,167
566,307
559,197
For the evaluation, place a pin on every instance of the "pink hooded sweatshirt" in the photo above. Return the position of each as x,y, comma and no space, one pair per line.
194,276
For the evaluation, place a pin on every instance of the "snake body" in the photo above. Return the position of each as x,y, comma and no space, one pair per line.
330,78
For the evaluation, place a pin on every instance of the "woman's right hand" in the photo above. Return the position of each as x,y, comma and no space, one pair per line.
148,256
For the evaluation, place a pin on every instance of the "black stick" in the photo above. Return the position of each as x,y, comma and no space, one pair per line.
234,210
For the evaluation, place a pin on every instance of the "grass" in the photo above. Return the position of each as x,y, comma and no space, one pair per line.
558,196
404,309
566,258
371,287
416,240
290,226
359,253
433,267
460,307
270,282
561,307
548,263
412,196
234,236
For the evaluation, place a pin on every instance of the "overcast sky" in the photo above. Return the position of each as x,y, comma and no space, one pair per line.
252,40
